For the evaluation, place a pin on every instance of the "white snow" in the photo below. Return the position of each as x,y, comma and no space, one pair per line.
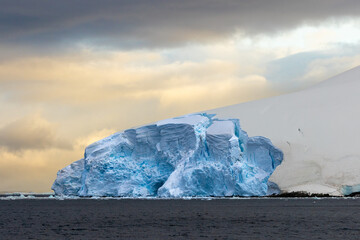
195,119
221,127
318,130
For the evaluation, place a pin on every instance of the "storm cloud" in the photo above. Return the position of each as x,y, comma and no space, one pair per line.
158,23
30,132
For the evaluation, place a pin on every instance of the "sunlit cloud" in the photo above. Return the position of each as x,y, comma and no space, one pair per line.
82,142
30,132
33,170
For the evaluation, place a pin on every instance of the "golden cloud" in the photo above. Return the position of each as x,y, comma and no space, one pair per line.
30,132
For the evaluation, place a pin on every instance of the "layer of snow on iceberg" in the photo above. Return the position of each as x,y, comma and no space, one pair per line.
194,155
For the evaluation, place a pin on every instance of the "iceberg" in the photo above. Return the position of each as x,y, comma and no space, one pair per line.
196,155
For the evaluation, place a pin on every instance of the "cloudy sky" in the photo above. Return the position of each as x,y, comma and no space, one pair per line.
72,72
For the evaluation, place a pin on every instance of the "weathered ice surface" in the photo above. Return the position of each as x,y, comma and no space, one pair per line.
194,155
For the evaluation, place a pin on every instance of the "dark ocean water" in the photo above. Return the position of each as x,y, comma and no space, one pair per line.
180,219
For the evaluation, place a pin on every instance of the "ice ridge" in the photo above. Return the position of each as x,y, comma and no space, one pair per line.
191,156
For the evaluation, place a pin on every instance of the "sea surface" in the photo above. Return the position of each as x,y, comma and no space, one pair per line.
41,217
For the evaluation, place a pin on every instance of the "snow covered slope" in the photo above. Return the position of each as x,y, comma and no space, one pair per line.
194,155
318,130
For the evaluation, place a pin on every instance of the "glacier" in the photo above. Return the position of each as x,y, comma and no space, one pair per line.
316,128
196,155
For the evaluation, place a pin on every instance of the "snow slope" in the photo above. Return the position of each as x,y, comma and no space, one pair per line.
318,130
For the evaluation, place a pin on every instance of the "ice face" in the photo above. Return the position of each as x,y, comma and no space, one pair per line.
68,181
348,190
194,155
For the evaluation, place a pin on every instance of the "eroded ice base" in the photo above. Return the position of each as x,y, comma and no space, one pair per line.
194,155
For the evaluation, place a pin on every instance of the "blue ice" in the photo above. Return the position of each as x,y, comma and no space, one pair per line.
191,156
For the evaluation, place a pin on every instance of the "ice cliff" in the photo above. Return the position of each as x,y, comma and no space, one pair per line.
194,155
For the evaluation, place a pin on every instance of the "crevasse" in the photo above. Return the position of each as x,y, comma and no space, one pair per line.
195,155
